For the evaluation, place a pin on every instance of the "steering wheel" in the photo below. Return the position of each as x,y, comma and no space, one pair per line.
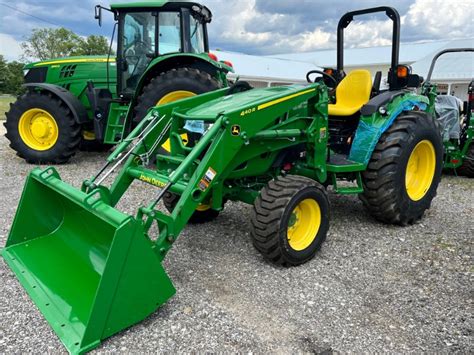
326,75
133,52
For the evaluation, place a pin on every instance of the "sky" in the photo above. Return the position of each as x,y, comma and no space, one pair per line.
260,27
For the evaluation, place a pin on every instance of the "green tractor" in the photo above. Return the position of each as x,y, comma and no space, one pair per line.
93,102
93,270
456,123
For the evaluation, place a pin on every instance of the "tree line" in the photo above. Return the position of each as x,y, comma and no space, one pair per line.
43,44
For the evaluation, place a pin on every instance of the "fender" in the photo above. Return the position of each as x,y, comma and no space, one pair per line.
371,127
174,60
72,102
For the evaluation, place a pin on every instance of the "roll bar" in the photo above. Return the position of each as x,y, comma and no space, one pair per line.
450,50
349,17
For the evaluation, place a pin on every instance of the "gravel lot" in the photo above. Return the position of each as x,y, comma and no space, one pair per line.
372,287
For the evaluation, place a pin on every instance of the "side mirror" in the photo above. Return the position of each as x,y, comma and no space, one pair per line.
98,14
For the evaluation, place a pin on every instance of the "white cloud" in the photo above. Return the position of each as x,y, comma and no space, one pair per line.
9,47
442,19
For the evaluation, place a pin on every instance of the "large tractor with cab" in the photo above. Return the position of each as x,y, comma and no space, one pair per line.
93,270
456,122
93,102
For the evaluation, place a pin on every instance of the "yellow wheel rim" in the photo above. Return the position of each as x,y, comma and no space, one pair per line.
203,207
303,225
175,96
88,135
38,129
420,170
171,97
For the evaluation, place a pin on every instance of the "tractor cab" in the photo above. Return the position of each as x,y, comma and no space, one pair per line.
160,28
355,94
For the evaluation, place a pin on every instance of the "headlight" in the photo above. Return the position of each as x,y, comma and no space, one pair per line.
25,72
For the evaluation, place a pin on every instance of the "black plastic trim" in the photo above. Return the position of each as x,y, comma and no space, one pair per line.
373,105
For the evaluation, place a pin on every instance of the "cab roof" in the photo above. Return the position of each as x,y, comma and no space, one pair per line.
148,4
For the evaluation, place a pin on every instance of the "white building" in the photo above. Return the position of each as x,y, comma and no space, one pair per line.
453,72
262,71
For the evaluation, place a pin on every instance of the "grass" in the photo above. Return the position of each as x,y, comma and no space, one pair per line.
5,104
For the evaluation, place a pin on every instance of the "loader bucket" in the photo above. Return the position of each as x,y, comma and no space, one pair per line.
89,268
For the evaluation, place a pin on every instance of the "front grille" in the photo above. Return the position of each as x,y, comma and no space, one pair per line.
67,71
36,75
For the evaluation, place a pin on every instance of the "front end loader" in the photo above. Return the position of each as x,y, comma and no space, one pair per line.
93,270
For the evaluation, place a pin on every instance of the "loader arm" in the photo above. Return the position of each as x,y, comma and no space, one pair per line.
202,170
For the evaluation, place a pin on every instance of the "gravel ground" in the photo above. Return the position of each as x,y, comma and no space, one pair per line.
372,288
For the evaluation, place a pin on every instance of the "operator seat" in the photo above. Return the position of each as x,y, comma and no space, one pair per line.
352,93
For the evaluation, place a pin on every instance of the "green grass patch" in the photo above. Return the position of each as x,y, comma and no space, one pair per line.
5,101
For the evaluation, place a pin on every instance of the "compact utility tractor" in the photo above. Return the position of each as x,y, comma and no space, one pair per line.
93,102
93,270
456,122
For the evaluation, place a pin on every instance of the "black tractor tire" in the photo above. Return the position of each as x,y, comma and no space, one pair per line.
385,190
69,131
271,219
92,145
170,199
467,167
186,79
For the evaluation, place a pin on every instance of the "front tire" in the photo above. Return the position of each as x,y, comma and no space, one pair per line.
42,129
203,213
404,171
290,220
467,167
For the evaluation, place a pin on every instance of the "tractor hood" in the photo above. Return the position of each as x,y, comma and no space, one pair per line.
250,101
70,60
74,71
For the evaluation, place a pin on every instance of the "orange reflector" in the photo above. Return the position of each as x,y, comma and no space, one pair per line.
212,56
329,71
402,71
229,64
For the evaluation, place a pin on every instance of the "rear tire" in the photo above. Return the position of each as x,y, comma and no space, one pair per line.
56,113
387,187
290,220
175,80
199,216
467,167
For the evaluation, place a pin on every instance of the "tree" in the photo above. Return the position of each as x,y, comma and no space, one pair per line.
14,78
92,45
50,43
3,73
11,77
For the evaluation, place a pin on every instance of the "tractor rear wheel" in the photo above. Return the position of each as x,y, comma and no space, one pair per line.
467,167
204,213
42,129
404,171
173,85
290,220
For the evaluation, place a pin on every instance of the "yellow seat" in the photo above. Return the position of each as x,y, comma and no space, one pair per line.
352,93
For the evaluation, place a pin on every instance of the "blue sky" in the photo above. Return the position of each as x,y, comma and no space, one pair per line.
258,26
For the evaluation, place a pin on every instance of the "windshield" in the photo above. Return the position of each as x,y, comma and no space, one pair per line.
177,31
138,45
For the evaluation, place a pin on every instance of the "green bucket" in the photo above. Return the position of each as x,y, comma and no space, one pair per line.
89,268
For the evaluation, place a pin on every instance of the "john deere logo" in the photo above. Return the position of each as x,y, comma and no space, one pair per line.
235,130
